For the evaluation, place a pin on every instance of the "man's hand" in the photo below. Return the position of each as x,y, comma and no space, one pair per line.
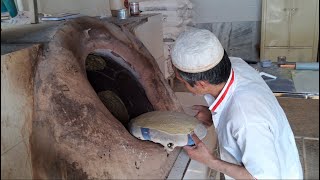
199,152
204,115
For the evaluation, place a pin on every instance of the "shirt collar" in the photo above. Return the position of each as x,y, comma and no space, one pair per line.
224,94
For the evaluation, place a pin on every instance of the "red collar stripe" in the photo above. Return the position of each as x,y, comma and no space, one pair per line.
224,93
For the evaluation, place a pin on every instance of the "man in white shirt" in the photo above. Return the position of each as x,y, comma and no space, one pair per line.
255,138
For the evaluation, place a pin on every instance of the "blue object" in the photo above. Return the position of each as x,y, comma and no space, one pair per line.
266,63
9,6
145,133
307,66
190,140
3,7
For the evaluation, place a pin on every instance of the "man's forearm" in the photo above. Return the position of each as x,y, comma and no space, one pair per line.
232,170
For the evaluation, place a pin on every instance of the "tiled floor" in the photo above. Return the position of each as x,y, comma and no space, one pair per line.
303,115
311,159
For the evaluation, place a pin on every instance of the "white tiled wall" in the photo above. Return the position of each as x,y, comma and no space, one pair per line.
235,23
226,10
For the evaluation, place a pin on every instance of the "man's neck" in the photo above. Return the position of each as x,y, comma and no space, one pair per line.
215,90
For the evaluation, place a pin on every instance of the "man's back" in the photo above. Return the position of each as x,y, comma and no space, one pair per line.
253,129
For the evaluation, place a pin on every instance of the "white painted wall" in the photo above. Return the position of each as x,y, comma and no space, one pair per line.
208,11
205,11
86,7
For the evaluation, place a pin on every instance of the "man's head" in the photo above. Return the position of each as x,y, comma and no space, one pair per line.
200,61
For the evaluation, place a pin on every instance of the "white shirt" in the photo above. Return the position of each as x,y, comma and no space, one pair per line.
252,128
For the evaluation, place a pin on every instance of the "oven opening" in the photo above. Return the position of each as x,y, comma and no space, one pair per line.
117,86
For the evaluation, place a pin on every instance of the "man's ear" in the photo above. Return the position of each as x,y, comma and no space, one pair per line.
201,84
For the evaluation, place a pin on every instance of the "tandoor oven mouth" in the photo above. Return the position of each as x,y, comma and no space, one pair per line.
117,86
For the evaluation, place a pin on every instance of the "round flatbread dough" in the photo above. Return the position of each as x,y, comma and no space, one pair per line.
114,105
167,121
95,63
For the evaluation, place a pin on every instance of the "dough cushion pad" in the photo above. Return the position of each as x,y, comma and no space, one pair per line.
169,122
167,128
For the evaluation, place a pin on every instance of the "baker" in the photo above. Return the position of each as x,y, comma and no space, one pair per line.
255,138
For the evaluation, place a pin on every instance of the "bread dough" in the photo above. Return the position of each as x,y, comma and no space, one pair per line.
95,63
167,121
114,105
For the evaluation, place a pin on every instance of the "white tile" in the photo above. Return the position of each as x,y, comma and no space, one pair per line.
16,163
179,166
196,170
16,97
16,113
226,10
151,35
222,30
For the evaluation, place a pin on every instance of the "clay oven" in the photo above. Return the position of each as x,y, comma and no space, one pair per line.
90,77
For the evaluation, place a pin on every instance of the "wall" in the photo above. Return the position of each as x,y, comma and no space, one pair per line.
17,113
91,7
237,25
207,11
86,7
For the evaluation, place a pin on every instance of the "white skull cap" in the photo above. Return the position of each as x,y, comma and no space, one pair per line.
196,50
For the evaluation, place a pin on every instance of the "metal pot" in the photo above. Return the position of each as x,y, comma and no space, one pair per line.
134,8
123,14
